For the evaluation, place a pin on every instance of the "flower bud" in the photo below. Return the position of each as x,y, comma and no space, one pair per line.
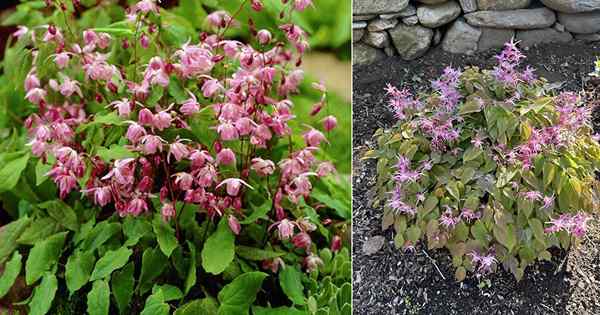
329,123
264,37
336,243
226,157
234,225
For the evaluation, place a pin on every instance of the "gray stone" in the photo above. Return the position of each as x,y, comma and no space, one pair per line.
437,15
573,6
378,6
411,42
389,51
468,5
518,19
432,1
376,39
373,245
363,54
379,25
502,4
437,36
494,38
540,36
408,11
356,18
581,23
411,20
358,25
559,27
590,38
357,35
461,38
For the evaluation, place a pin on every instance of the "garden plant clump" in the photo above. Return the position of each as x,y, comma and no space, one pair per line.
163,172
490,165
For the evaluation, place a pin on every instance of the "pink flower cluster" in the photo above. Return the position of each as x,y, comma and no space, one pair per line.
575,224
506,72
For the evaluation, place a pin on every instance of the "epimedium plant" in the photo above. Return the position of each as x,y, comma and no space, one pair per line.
490,165
161,173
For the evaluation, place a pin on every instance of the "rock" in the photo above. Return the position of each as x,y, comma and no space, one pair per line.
494,38
573,6
356,18
461,38
379,25
588,37
378,6
357,35
411,41
559,27
376,39
468,5
546,35
581,23
373,245
432,1
411,20
408,11
389,51
363,54
433,16
437,37
502,4
359,25
518,19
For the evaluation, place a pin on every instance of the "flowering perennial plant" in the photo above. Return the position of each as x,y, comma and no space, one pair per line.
194,145
490,165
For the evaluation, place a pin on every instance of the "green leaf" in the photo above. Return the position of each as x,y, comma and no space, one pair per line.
134,229
111,261
98,299
78,270
122,284
10,273
100,234
155,305
259,212
290,280
11,172
110,118
43,256
190,280
177,91
62,213
165,235
257,254
43,295
218,251
153,264
452,188
282,310
9,235
237,296
41,169
340,208
538,229
471,153
169,292
118,32
548,173
505,235
206,306
39,230
115,152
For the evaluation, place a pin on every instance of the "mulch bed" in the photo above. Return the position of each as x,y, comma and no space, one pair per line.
392,282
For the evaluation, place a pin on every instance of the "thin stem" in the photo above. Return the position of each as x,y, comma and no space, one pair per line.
239,10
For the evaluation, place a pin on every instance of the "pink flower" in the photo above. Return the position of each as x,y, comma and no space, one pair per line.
36,95
234,224
167,211
150,144
184,180
179,151
532,195
264,37
256,5
199,158
21,30
136,206
102,195
285,229
302,240
329,123
190,106
548,202
313,137
300,186
263,167
226,157
162,120
312,262
300,5
61,60
145,117
66,182
122,171
195,60
485,262
336,243
146,6
244,126
448,220
31,81
325,168
210,87
227,131
219,19
233,185
123,107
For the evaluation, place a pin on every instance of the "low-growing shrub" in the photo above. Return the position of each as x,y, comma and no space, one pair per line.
161,175
490,165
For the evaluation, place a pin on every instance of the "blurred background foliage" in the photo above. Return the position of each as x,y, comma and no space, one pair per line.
327,24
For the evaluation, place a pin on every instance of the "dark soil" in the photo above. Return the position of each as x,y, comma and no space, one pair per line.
393,282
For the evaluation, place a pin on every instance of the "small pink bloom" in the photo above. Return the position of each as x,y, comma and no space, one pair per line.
264,37
244,126
190,106
144,41
233,185
136,206
325,168
184,180
102,195
145,117
146,6
312,262
329,123
234,224
300,5
162,120
210,87
31,81
123,107
68,87
313,137
199,158
226,157
150,144
167,211
61,60
263,167
302,240
285,229
219,19
227,131
179,151
256,5
21,30
336,244
36,95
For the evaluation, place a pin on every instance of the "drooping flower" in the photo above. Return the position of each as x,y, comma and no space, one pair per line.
285,229
167,211
263,167
233,185
234,224
226,157
485,262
